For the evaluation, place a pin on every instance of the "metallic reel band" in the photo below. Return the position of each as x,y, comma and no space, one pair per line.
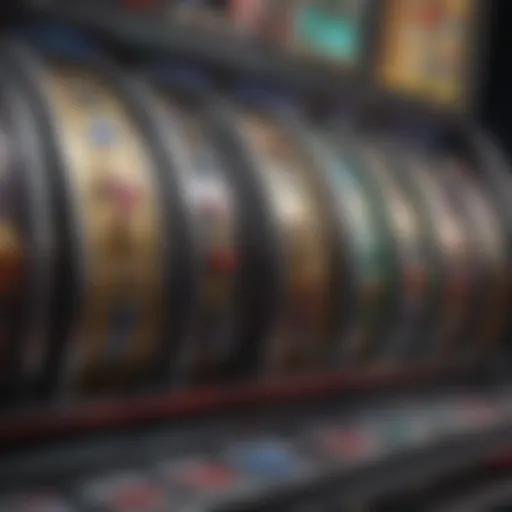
449,238
110,178
491,247
214,208
413,277
300,332
364,251
13,263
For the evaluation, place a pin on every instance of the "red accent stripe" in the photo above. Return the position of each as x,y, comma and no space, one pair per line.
35,426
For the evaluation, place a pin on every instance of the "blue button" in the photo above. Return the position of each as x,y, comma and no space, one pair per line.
267,459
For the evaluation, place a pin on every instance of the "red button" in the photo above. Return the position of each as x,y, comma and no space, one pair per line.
345,442
137,497
209,477
202,476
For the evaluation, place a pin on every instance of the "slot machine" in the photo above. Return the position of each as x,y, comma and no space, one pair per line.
242,297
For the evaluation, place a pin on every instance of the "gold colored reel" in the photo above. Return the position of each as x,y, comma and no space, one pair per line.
362,255
112,187
299,335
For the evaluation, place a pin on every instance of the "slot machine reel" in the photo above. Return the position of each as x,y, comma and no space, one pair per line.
415,279
451,252
360,270
489,166
492,253
26,247
108,327
12,261
411,175
299,335
212,338
407,276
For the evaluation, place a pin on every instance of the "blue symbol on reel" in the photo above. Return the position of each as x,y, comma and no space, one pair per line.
103,134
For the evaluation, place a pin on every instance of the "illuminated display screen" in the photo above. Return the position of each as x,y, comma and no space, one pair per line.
425,48
333,29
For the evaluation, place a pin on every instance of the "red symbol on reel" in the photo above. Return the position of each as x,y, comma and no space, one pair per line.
123,194
223,261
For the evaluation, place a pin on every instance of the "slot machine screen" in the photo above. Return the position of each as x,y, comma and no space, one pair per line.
426,48
330,29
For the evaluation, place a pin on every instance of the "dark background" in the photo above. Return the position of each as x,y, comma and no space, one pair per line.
494,108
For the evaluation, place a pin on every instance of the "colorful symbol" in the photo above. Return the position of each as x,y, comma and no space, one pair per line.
120,192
